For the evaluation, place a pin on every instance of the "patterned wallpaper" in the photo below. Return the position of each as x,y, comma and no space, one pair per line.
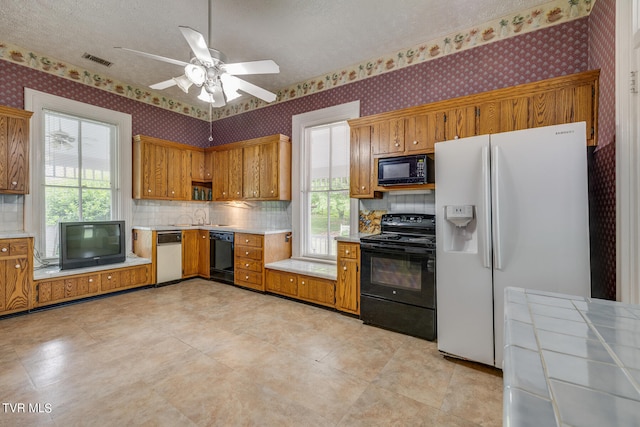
147,119
550,52
603,174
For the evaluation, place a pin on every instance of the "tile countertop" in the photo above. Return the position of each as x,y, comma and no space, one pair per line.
570,360
15,234
54,271
232,228
353,239
308,268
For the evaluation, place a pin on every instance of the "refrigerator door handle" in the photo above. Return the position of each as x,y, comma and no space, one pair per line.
497,246
486,189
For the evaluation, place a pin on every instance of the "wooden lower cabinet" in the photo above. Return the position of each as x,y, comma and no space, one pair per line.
253,251
190,253
16,272
348,284
307,288
69,288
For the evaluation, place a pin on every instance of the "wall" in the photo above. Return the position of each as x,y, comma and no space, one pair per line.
549,52
602,190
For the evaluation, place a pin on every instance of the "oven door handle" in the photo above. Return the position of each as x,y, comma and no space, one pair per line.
375,248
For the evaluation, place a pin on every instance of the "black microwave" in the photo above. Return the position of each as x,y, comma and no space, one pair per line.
402,170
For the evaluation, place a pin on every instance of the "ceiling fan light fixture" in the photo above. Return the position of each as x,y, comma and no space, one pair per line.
205,95
183,83
196,73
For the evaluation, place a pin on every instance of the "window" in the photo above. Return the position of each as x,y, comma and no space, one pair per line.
326,192
77,153
320,207
78,171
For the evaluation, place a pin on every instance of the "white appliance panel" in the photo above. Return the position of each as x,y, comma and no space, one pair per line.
540,213
463,273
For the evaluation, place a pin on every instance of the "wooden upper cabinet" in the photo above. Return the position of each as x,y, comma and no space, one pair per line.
513,113
421,132
198,166
14,150
387,137
161,169
361,163
460,122
208,165
256,169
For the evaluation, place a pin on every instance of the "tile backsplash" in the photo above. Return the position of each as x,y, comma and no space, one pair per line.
394,202
11,212
241,214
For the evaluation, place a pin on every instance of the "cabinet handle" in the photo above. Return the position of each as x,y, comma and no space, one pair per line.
224,193
291,280
109,277
347,252
4,249
246,253
246,277
237,193
90,280
246,265
18,266
149,191
272,191
363,187
303,282
14,183
396,144
246,240
415,142
344,268
173,192
204,237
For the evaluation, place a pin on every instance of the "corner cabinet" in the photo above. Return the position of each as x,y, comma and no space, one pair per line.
161,169
16,272
255,169
14,150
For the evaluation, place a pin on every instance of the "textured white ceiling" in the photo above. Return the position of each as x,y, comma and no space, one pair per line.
307,38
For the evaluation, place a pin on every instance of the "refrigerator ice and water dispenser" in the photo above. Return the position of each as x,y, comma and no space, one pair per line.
461,233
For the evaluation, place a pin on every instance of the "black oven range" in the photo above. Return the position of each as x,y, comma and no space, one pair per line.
398,275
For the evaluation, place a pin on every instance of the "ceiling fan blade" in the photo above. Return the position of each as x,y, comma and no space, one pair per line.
163,85
255,67
251,89
156,57
197,44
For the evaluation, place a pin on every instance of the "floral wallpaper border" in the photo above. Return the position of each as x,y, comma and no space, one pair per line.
552,13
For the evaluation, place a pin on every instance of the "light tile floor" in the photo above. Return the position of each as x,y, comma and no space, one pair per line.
204,353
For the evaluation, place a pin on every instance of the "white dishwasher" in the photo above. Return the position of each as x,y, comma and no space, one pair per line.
168,256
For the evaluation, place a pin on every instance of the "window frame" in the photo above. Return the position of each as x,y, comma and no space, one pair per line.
37,101
300,123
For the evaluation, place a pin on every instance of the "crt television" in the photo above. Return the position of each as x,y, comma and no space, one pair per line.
91,243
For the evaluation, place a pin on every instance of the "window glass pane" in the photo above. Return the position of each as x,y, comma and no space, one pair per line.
96,154
318,227
61,150
340,157
96,205
319,151
61,205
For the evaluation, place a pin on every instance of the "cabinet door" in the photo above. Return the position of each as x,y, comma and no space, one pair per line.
203,253
235,173
190,258
282,283
316,290
514,114
178,174
575,104
361,163
460,122
197,166
18,155
269,167
208,165
251,172
488,118
221,174
14,291
423,131
348,286
388,137
158,170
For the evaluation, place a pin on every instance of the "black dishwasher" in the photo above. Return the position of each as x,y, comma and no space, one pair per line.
221,256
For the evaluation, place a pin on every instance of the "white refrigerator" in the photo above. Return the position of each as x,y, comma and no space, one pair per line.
511,210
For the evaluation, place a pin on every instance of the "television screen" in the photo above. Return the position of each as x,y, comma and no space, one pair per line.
84,244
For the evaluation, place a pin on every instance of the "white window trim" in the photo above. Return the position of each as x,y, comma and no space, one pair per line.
37,101
350,110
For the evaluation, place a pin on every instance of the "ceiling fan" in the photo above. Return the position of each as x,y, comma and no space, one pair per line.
209,70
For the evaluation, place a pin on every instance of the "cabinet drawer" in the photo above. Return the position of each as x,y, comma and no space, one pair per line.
254,240
248,264
249,252
13,247
317,290
248,276
348,250
282,283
